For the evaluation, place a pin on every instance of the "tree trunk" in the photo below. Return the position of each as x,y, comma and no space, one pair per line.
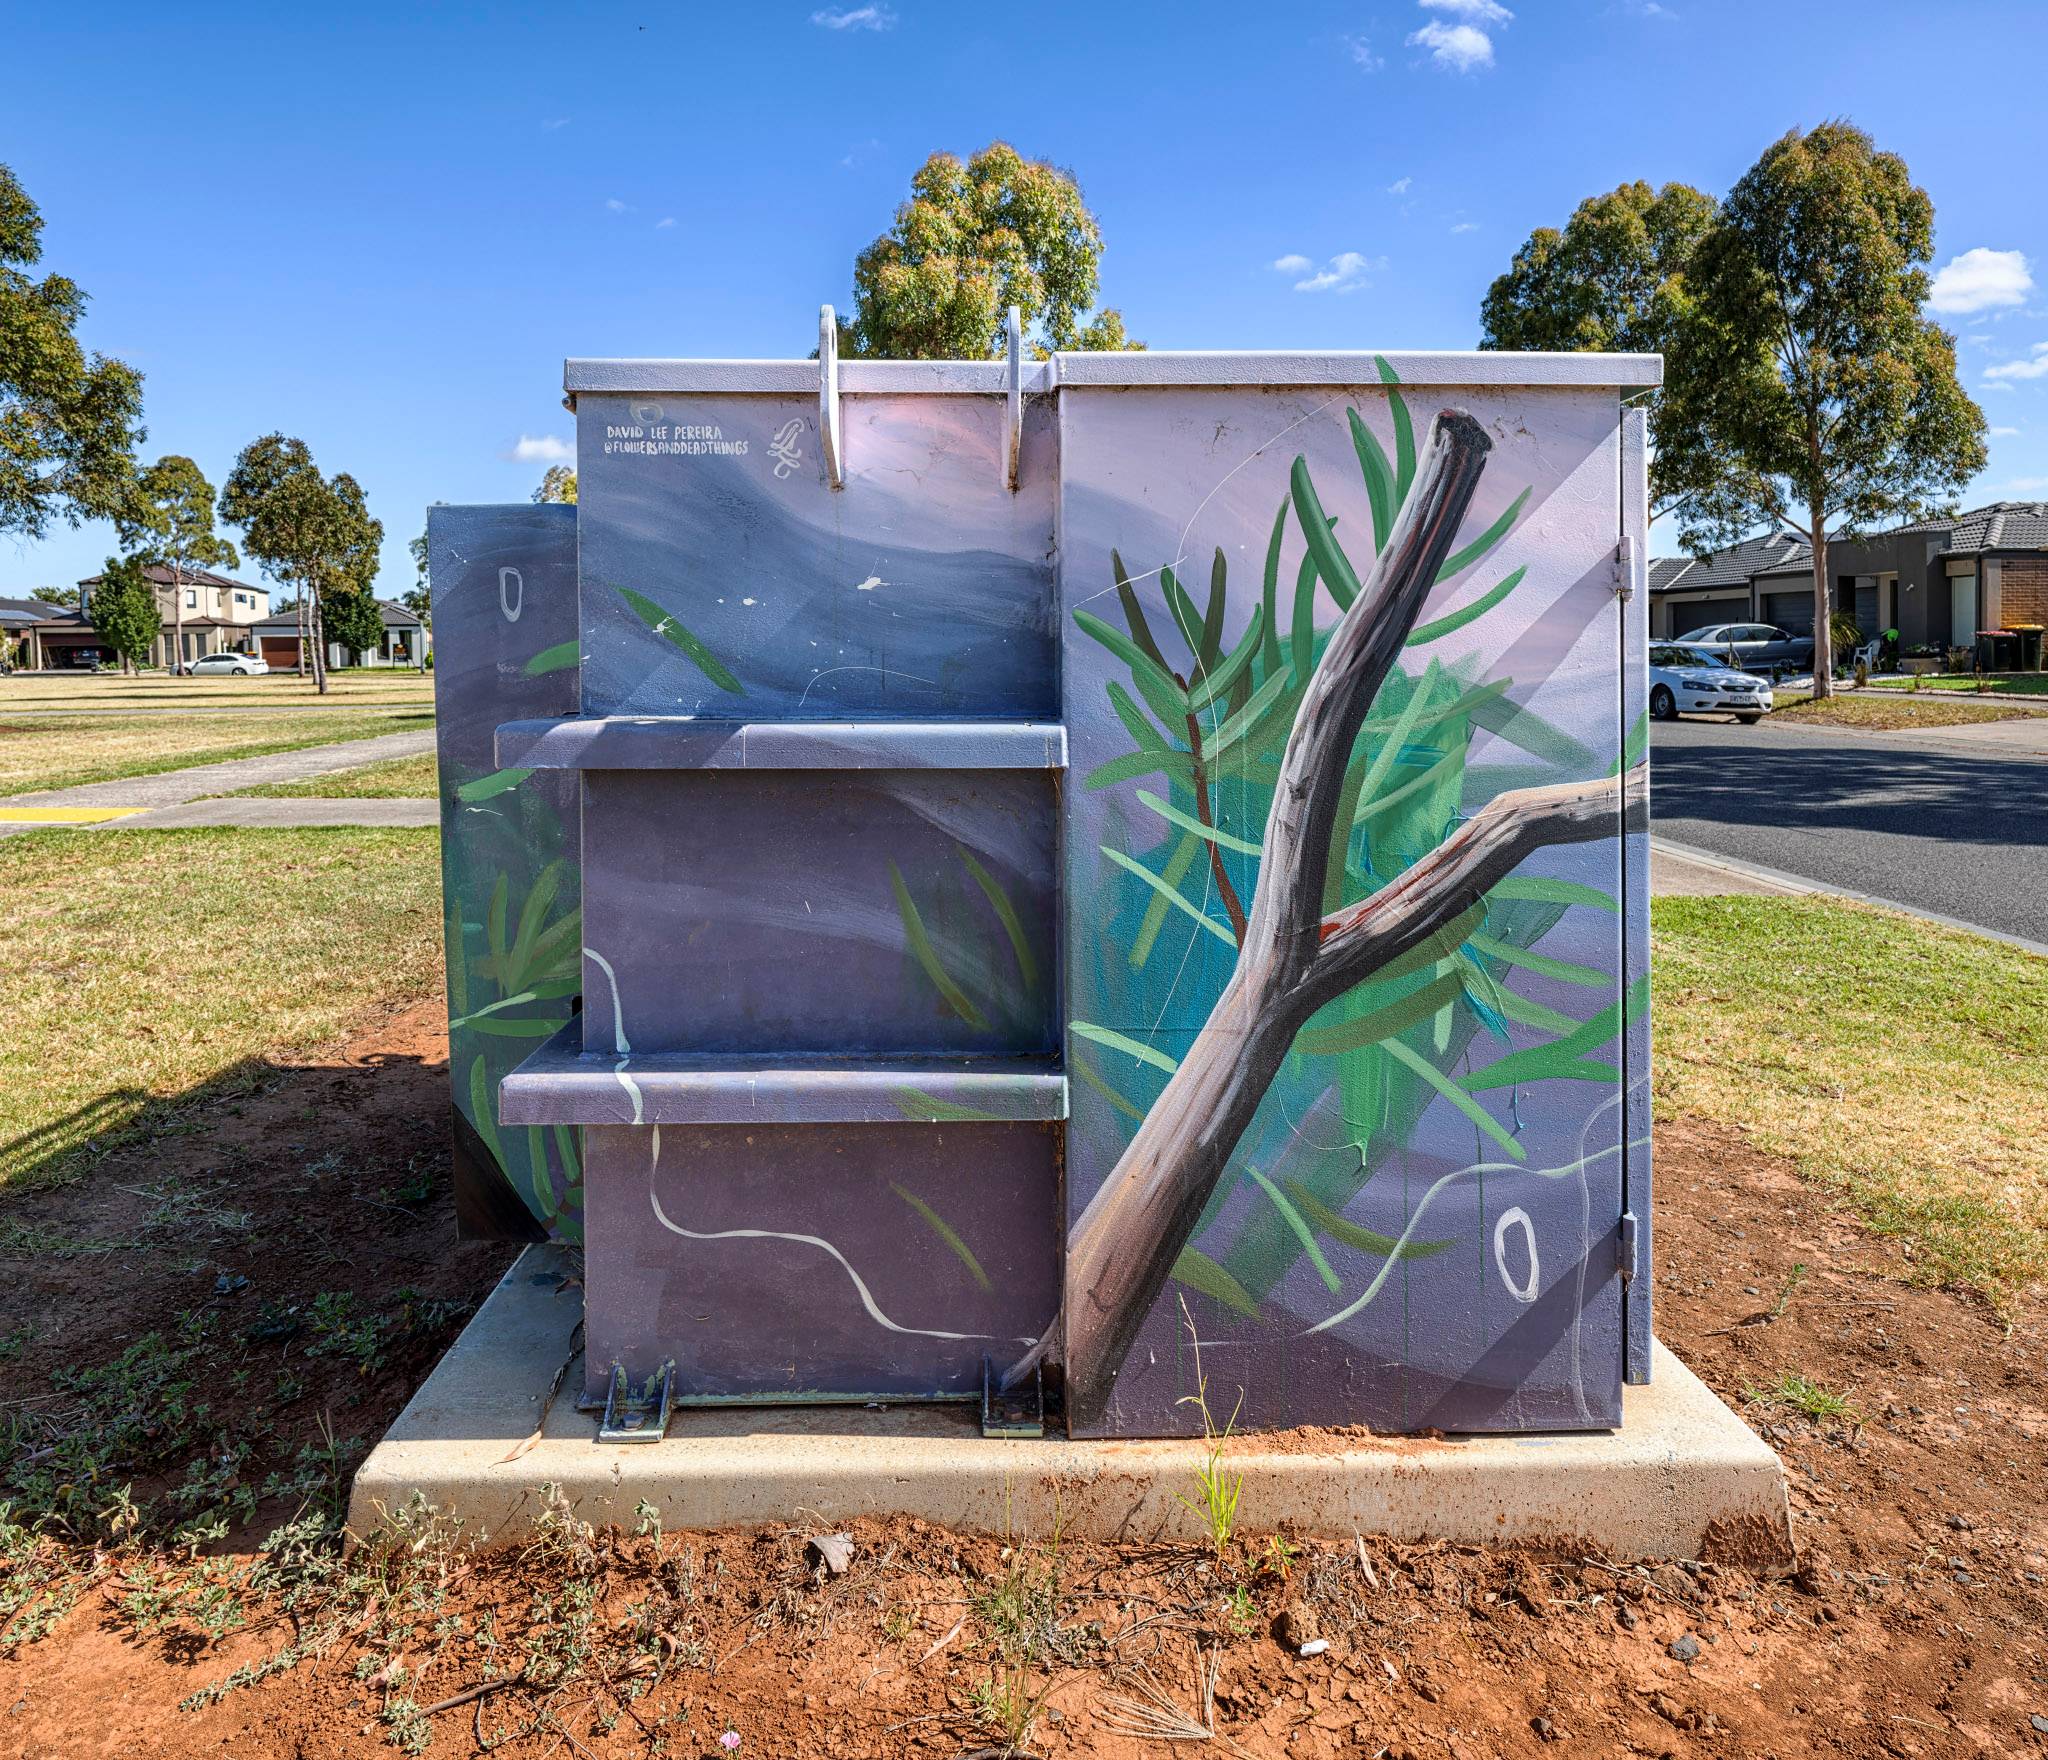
299,612
319,627
1823,620
1295,959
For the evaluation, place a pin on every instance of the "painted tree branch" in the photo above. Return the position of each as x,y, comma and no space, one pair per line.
1122,1248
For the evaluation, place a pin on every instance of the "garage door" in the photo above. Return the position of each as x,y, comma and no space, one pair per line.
281,656
1790,611
1688,615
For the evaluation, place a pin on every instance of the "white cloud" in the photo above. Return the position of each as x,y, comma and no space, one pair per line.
1362,56
1980,279
1399,187
615,205
2032,366
856,18
2003,433
1473,11
541,449
1457,48
2026,485
664,221
1346,272
1293,264
1466,226
555,122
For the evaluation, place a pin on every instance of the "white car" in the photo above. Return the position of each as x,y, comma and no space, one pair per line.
248,665
1697,681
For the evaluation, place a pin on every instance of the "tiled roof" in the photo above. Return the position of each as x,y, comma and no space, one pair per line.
1667,571
2003,525
192,577
1733,567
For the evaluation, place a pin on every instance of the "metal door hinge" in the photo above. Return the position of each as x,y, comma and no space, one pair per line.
1624,568
1629,1247
1017,1412
637,1416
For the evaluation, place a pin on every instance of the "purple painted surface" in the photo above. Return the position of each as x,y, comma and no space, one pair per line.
794,1262
761,911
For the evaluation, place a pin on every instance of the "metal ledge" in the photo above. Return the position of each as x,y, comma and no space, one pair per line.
674,742
561,1084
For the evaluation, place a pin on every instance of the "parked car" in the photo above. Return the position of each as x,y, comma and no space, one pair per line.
1762,647
1686,680
247,665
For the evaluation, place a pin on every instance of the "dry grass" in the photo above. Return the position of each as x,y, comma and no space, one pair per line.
146,974
394,779
48,690
61,751
1903,1064
1892,715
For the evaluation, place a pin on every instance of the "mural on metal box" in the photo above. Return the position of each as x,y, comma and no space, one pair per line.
504,583
763,940
1345,1005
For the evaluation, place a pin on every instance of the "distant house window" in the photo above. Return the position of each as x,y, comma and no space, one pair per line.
191,597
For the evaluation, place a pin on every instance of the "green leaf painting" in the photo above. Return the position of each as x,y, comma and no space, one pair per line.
665,625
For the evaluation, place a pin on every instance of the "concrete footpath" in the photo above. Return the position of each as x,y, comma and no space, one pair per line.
266,812
139,799
1681,1476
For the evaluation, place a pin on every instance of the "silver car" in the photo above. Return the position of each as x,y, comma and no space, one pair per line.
212,665
1757,647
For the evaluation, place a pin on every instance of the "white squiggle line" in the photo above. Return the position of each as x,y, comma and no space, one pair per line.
620,1043
1407,1234
867,1300
885,671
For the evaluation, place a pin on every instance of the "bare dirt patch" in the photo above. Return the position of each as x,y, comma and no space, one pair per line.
1913,1627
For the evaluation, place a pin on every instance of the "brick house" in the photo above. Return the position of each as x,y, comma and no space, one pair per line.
219,613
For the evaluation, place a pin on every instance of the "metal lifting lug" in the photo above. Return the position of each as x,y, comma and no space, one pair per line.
1629,1246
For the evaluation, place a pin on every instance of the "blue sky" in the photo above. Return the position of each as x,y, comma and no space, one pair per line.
381,227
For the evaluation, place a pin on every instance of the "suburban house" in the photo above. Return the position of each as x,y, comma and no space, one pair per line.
19,619
1937,582
406,641
218,613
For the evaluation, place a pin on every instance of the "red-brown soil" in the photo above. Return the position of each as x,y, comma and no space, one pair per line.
1915,1624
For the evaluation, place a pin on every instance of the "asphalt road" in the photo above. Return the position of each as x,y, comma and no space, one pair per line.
1938,826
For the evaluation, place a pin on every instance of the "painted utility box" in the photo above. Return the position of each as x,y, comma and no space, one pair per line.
1078,858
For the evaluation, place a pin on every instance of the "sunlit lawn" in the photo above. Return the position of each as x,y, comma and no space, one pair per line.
1903,1064
138,967
156,690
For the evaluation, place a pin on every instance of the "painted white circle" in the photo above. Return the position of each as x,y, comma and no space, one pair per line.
646,412
1522,1292
511,593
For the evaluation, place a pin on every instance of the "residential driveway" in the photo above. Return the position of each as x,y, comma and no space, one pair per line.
1954,826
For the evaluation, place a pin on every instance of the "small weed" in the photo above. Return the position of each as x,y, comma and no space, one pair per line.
1218,1490
647,1521
1806,1396
1008,1707
1793,1279
1241,1611
1278,1556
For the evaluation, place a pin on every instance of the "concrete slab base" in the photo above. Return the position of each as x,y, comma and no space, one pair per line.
1684,1477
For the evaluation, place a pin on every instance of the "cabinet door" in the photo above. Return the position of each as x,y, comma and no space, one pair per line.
1417,1226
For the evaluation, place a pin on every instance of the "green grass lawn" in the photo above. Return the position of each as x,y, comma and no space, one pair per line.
1902,1064
394,779
2016,684
143,974
60,751
157,690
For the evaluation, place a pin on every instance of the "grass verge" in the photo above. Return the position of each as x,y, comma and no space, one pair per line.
395,779
156,691
139,967
2019,684
62,751
1902,1064
1880,715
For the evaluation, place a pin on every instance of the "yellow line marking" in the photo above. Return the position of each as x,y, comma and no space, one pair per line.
64,815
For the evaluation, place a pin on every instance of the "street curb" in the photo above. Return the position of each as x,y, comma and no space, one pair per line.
1708,858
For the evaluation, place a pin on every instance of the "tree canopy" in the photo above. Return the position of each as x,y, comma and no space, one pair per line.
69,421
123,608
169,519
974,239
559,484
1606,281
311,531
